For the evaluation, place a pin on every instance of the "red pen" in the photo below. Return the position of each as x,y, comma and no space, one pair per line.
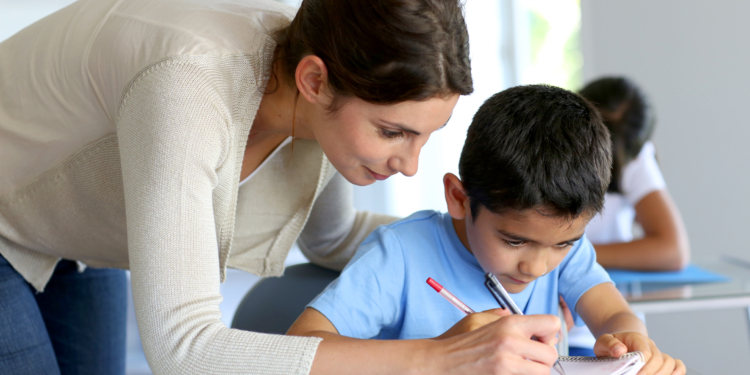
449,296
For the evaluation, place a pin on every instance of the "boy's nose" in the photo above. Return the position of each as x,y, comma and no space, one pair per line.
535,267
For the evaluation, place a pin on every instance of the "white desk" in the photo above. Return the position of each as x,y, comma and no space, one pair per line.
663,298
655,298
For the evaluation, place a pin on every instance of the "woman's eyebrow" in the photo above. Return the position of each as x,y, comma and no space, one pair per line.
402,127
408,129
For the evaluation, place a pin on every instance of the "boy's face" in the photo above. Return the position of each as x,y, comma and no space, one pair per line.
519,247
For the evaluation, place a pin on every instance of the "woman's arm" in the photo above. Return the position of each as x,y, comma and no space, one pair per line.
173,132
664,246
335,229
502,347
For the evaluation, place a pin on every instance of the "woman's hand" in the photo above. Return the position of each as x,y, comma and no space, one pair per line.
473,321
615,345
501,347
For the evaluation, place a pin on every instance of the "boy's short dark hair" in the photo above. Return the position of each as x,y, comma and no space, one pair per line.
536,146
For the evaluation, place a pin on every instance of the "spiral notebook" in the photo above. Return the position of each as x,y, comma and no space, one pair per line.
628,364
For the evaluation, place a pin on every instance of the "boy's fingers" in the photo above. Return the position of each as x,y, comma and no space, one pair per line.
608,345
667,366
654,363
679,368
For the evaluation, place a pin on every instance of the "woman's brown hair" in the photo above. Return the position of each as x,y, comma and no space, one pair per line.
381,51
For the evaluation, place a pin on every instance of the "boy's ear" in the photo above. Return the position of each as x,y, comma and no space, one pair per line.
311,78
455,196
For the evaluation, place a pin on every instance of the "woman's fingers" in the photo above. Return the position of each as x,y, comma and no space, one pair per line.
499,311
504,347
542,327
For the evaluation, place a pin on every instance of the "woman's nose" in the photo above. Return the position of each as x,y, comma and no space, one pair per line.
408,162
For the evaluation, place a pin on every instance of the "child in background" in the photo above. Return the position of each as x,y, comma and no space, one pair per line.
534,171
637,192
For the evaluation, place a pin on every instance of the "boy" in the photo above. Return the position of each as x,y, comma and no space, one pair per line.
534,170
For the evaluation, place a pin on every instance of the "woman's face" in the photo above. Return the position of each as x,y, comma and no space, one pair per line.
366,142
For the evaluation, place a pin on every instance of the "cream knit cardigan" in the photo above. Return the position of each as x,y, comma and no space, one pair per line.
123,126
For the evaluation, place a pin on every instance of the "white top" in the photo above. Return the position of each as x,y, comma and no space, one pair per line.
640,177
286,141
123,126
614,224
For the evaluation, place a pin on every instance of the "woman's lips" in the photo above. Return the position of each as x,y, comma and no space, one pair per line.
377,176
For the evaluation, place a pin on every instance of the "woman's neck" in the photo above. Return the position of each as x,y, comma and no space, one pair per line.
281,111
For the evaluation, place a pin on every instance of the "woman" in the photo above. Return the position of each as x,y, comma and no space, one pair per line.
125,130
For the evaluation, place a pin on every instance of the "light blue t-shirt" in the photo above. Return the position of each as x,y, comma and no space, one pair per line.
382,293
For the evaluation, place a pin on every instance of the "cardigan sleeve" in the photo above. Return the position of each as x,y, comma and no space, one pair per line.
173,134
335,229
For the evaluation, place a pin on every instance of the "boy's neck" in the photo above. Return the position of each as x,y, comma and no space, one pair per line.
459,225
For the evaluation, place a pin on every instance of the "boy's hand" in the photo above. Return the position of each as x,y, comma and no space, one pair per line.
617,344
473,321
569,322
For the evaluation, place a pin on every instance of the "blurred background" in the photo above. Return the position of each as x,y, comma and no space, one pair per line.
691,57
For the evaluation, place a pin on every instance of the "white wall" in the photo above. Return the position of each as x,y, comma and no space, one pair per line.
401,195
692,57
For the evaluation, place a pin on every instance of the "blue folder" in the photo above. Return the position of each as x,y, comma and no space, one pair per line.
691,274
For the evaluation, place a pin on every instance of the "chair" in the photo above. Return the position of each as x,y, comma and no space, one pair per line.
274,303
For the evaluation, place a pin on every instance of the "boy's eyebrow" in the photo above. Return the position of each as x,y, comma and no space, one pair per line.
408,129
517,237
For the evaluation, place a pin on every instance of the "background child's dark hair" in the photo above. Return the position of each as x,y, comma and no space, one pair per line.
536,146
382,51
628,115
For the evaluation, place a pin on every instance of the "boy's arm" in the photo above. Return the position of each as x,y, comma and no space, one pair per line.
605,311
619,330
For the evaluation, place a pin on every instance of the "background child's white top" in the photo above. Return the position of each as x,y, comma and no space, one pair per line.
614,224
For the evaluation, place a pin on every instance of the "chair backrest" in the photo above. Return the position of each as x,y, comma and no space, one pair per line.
274,303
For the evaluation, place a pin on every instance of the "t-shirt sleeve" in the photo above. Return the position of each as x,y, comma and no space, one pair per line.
367,296
642,175
579,272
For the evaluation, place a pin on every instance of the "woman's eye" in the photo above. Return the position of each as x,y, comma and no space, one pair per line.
515,243
390,134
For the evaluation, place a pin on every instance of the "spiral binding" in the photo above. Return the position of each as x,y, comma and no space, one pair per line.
598,359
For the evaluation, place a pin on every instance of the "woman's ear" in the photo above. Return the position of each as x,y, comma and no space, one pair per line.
455,196
311,78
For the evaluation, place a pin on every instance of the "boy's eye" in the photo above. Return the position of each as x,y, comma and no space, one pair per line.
515,243
390,134
564,245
